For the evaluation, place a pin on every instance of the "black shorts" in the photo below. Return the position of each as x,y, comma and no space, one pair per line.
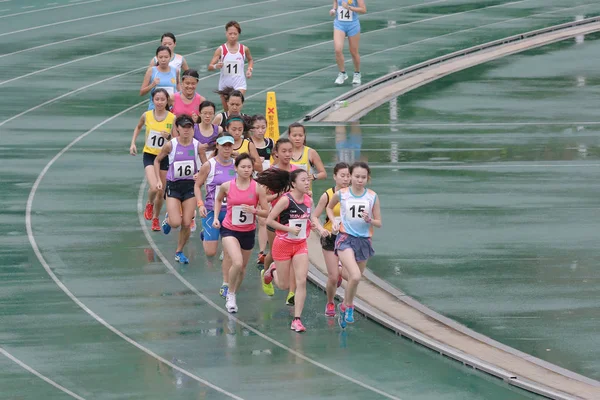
181,190
149,160
328,242
270,229
246,239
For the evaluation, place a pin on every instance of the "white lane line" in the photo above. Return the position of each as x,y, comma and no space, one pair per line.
39,375
51,4
66,290
130,27
154,41
50,8
422,40
191,287
92,16
481,166
26,7
462,124
4,10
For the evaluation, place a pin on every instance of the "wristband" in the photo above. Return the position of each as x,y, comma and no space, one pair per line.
315,177
200,203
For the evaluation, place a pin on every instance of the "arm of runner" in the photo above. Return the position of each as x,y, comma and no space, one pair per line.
164,152
278,209
217,120
315,160
335,225
184,64
136,132
250,62
215,62
361,9
202,175
320,206
148,85
219,197
262,202
375,219
332,11
254,154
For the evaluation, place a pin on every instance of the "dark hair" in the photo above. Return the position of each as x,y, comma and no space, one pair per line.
163,48
169,35
183,119
278,180
280,142
160,90
233,118
190,73
234,24
242,157
207,103
216,149
360,164
229,91
339,166
297,125
257,117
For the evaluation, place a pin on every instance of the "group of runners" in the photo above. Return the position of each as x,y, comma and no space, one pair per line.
220,167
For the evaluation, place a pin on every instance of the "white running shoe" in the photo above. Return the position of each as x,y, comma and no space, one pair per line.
230,304
357,79
221,256
341,78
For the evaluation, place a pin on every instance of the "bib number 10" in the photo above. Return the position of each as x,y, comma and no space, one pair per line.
155,140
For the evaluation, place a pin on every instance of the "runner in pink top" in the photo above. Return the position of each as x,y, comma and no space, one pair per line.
239,226
188,101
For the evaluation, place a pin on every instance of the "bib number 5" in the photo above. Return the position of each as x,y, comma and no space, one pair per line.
241,218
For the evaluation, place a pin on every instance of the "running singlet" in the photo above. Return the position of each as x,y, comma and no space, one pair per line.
179,107
176,62
183,161
168,81
265,153
218,175
209,140
296,214
232,73
292,168
243,147
344,15
303,162
351,209
336,210
236,219
154,139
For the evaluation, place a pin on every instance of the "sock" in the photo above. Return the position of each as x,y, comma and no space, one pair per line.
297,318
342,72
357,72
225,284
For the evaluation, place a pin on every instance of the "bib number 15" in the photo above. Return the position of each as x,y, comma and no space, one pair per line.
356,209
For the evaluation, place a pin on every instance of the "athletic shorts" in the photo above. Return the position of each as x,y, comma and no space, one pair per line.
181,190
246,239
328,242
148,159
210,232
351,28
270,229
283,251
361,246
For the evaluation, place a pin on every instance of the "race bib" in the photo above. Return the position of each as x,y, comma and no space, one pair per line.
232,68
169,89
345,15
217,188
266,164
239,217
183,169
355,208
300,223
155,140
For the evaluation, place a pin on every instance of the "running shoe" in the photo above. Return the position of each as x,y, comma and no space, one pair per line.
266,287
357,78
330,310
341,78
349,315
342,316
221,256
155,224
148,211
261,258
223,291
166,228
289,301
193,225
230,304
179,256
297,326
267,276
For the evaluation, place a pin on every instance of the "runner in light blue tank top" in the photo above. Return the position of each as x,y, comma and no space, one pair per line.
346,23
161,76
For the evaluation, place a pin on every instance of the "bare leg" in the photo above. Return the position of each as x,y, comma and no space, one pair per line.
263,238
160,195
338,46
354,271
353,44
331,261
189,206
300,269
151,177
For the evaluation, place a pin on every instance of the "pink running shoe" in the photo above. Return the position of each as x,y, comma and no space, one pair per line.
268,275
297,326
330,310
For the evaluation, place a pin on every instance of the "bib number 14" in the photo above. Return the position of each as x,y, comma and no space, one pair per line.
345,15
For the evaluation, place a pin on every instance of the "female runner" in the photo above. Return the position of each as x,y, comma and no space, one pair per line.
177,61
206,132
359,212
230,59
160,76
159,127
235,102
239,226
188,100
346,23
303,156
183,164
291,218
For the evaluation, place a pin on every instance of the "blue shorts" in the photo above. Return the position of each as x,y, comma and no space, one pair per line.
209,231
351,28
363,250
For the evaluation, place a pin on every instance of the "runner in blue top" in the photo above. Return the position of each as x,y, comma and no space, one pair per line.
162,76
346,23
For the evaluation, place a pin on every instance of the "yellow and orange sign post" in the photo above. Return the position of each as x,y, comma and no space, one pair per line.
272,119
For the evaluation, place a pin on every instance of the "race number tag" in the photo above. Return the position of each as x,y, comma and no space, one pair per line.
232,68
169,89
266,164
355,208
239,217
183,169
345,15
155,140
300,223
217,189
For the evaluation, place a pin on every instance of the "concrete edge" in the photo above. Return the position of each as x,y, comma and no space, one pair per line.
322,111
